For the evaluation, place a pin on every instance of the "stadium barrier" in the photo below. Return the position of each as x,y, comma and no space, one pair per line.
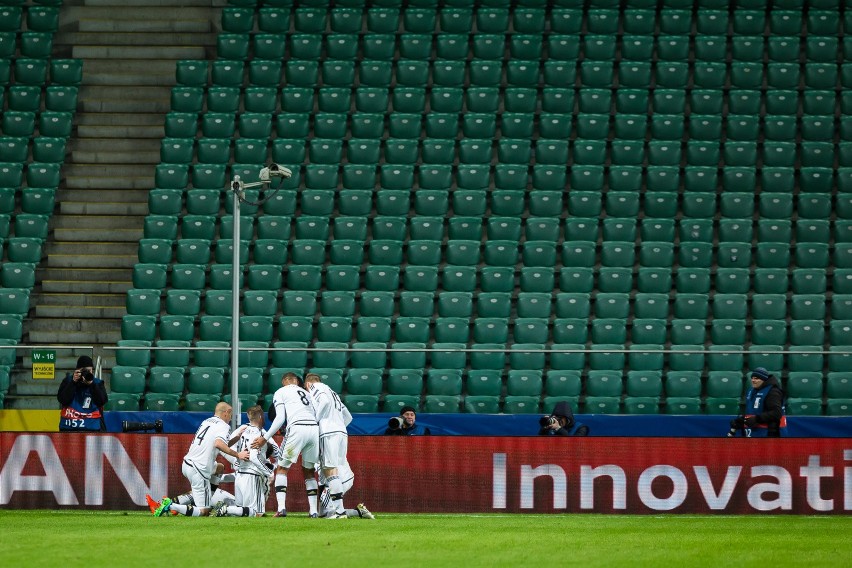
466,475
656,425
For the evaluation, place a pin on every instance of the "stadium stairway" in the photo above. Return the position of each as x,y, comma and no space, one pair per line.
129,49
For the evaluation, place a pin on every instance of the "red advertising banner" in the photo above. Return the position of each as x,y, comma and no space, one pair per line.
466,475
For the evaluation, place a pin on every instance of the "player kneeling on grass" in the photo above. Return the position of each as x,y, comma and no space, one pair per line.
252,476
199,463
293,407
219,494
347,480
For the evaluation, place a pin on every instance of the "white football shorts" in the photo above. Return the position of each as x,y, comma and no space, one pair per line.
301,440
251,490
333,449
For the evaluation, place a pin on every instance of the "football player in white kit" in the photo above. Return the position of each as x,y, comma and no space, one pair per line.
347,480
199,463
333,418
293,408
219,495
251,484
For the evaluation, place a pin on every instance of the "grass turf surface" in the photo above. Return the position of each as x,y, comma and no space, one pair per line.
66,538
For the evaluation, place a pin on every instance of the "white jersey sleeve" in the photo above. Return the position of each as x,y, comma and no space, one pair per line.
329,409
202,451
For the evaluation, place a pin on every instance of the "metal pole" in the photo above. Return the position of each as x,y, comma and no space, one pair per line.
236,187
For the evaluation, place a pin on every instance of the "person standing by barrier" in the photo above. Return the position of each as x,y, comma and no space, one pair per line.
82,396
764,415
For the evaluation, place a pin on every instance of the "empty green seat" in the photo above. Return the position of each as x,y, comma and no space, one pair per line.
729,406
602,405
440,404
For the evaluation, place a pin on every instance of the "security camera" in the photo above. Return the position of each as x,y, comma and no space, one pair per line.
274,170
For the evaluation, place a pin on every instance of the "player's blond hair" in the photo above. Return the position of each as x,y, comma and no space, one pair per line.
255,414
313,378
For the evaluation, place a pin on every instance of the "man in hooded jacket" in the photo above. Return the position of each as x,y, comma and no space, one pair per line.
764,415
561,422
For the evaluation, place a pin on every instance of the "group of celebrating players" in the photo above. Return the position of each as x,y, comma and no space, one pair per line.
315,423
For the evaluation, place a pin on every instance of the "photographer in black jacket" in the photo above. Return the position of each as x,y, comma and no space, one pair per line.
561,422
406,424
82,396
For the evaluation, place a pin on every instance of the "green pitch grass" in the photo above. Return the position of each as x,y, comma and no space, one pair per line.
66,538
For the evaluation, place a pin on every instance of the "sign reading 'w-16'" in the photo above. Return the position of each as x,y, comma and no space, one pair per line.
44,364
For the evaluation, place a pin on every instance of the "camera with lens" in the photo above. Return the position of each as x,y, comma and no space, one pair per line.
128,426
87,375
548,421
396,423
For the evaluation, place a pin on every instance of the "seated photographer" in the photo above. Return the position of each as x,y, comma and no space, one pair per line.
406,424
561,422
82,396
764,408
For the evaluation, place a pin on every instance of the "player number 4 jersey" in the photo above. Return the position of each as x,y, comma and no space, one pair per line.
202,451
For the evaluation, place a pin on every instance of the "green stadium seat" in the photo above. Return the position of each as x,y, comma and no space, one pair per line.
441,404
162,402
797,406
602,405
206,380
838,385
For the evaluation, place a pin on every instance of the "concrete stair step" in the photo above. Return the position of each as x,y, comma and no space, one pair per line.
110,145
87,275
69,286
84,248
139,52
75,324
91,261
125,105
142,92
34,396
139,208
101,222
118,119
159,32
82,312
128,79
130,67
119,235
108,195
122,132
109,182
139,8
106,157
81,300
132,26
82,337
96,170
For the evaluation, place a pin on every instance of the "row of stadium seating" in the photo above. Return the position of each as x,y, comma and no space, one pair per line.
533,17
38,99
607,160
